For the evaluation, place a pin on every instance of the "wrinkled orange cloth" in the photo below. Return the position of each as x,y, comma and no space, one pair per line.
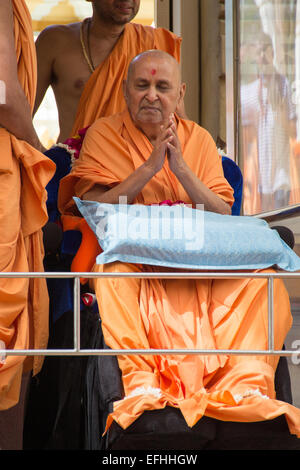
103,93
179,314
116,164
194,314
89,249
24,173
99,101
113,148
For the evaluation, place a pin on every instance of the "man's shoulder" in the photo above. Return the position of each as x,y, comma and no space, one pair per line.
60,33
147,30
194,132
112,122
193,127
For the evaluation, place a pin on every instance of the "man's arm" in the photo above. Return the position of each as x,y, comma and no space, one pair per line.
130,188
134,184
198,191
15,112
44,51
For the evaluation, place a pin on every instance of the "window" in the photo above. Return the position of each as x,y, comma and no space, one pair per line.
269,99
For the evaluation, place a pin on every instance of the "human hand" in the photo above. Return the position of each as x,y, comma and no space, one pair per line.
174,153
158,155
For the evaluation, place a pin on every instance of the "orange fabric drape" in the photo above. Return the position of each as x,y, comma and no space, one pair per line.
24,173
193,314
116,163
179,314
113,148
103,93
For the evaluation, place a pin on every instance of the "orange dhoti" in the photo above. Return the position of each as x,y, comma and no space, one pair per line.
23,302
194,314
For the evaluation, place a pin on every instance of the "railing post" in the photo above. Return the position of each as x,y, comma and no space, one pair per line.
76,288
270,314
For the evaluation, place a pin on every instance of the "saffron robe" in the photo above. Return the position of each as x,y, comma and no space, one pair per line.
103,93
186,313
103,96
24,174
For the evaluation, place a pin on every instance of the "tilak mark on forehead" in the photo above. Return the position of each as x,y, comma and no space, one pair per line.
153,71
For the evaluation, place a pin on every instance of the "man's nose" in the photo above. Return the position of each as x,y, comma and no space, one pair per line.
151,94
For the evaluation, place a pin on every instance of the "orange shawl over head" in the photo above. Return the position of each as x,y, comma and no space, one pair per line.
24,174
103,93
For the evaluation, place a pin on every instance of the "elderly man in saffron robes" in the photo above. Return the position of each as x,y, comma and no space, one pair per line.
148,154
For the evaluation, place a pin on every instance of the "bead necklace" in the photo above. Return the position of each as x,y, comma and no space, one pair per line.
87,54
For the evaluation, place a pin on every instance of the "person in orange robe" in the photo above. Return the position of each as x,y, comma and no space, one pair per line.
148,154
24,174
98,100
86,70
87,66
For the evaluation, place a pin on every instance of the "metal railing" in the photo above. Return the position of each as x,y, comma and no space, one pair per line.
77,351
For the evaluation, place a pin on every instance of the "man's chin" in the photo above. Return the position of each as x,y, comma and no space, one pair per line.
152,120
121,21
123,18
151,114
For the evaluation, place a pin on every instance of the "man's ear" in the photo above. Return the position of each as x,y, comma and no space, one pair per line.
182,91
180,109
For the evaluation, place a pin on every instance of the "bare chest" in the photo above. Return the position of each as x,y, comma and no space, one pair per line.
73,69
70,73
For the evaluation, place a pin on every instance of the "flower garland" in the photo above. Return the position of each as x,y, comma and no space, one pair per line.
73,144
167,202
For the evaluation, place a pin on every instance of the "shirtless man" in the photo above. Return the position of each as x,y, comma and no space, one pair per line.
68,54
62,62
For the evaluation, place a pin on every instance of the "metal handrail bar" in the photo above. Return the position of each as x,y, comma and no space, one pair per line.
77,351
156,275
144,352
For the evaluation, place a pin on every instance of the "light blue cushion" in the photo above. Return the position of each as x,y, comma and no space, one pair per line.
182,237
